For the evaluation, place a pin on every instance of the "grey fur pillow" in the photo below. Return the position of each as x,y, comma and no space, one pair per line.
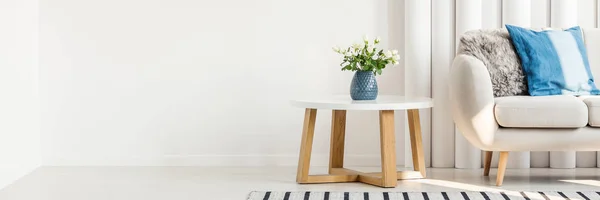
494,48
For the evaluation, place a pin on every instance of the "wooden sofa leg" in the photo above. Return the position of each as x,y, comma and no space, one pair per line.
501,167
487,163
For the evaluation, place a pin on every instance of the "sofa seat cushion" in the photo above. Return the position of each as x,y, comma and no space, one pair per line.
541,112
593,104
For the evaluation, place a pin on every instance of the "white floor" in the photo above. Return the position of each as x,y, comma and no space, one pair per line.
200,183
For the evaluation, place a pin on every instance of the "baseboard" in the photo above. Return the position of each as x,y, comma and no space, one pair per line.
208,160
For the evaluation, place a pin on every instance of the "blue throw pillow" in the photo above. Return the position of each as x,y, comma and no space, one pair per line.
554,61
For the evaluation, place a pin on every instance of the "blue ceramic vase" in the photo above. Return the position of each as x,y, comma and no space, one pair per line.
364,86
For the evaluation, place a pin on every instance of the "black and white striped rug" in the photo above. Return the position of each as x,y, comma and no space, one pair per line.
507,195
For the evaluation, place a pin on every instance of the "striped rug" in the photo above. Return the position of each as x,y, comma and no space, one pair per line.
422,195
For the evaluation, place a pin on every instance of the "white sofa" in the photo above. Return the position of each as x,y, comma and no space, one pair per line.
523,123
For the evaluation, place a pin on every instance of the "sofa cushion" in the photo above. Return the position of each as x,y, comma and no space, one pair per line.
555,62
593,104
494,48
541,112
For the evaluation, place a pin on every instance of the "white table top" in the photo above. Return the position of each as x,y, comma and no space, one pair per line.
383,102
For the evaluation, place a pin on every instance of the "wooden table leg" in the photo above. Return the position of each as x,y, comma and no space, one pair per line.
388,149
308,132
388,177
305,151
416,142
338,132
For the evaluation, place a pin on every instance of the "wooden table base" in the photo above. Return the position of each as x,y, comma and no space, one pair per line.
337,173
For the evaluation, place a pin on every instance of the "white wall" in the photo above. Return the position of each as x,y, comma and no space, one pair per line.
19,108
186,82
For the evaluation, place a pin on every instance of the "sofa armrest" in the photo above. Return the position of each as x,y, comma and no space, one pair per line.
472,101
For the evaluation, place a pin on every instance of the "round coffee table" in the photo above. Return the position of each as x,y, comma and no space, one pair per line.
385,105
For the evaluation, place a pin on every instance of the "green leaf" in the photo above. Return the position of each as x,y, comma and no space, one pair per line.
379,71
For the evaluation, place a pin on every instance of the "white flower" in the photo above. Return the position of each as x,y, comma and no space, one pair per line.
336,49
388,54
396,57
394,52
348,53
357,45
375,57
377,40
394,62
366,38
